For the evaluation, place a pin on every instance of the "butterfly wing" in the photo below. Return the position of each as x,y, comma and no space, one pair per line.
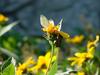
60,24
64,35
44,21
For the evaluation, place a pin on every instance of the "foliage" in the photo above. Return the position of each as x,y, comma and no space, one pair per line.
58,53
8,67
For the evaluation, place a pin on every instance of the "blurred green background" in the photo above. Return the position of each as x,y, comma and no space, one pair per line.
25,39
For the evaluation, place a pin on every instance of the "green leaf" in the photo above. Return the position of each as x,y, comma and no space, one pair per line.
7,28
8,52
53,69
97,71
9,70
7,66
6,63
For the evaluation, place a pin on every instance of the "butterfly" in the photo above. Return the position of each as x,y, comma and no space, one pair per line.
50,27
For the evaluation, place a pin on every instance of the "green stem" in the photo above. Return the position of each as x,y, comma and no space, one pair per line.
51,56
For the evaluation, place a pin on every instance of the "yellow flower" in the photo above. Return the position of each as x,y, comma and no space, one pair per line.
90,53
76,39
80,73
80,58
42,63
19,72
93,43
50,28
3,18
91,47
23,67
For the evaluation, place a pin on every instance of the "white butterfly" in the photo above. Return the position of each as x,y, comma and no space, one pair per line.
45,22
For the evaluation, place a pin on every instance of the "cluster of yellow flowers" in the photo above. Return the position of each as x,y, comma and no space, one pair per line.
43,62
80,58
23,67
3,18
31,66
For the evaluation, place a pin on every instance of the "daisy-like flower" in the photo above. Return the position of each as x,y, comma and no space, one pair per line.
23,67
80,58
42,63
3,18
50,28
